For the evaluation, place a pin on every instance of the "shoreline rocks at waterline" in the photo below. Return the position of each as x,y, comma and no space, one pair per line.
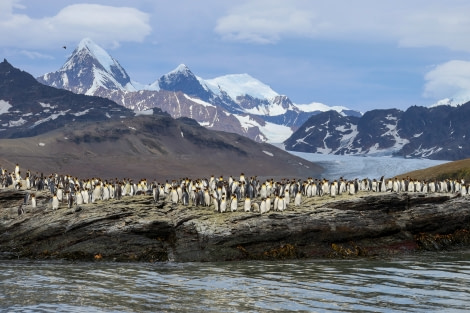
138,229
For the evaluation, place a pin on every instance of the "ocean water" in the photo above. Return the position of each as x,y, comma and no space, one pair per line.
429,282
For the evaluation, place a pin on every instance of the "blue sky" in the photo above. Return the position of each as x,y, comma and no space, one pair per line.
362,54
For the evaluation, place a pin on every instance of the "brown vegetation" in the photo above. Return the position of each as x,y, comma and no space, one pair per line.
153,147
452,170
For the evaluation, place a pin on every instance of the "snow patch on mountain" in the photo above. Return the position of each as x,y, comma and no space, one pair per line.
240,85
349,134
17,123
199,101
4,106
453,102
317,106
270,110
273,133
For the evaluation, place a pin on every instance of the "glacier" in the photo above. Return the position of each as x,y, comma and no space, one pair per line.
351,167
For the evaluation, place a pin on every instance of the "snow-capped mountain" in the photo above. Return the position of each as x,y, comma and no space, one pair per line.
439,133
89,68
28,108
235,103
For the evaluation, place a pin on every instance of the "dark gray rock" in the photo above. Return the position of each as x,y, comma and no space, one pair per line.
137,229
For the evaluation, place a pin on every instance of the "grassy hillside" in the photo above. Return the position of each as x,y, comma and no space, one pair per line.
457,169
149,147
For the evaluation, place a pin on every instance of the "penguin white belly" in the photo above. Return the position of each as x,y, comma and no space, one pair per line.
174,196
280,205
105,193
298,199
262,207
79,198
247,205
223,206
96,195
60,195
233,204
55,203
85,196
268,204
207,198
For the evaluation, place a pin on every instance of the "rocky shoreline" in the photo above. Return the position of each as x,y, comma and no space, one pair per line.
136,228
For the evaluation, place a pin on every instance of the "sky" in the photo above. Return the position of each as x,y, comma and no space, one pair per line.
362,54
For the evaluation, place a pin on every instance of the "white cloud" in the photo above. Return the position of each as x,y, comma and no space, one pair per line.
35,55
416,23
266,21
449,80
107,24
438,23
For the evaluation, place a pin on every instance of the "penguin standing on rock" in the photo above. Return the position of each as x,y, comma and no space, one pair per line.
185,197
247,204
216,203
262,207
33,200
298,199
174,195
26,198
223,205
20,209
155,193
55,202
268,204
234,203
80,198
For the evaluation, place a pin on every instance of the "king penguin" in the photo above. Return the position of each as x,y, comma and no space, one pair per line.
55,202
298,199
223,205
33,200
262,207
247,204
233,203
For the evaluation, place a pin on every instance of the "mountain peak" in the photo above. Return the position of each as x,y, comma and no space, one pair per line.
241,85
88,47
182,79
97,52
5,65
181,72
181,69
88,69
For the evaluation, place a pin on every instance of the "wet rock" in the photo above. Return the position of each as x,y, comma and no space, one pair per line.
137,229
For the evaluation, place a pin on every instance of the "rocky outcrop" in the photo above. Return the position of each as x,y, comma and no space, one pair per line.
137,229
438,133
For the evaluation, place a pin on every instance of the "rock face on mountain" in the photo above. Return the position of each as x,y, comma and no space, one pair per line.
137,229
236,103
439,133
28,108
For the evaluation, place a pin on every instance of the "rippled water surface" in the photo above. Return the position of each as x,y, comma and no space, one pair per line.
420,283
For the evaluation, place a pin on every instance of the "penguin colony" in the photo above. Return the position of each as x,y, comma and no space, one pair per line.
224,195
